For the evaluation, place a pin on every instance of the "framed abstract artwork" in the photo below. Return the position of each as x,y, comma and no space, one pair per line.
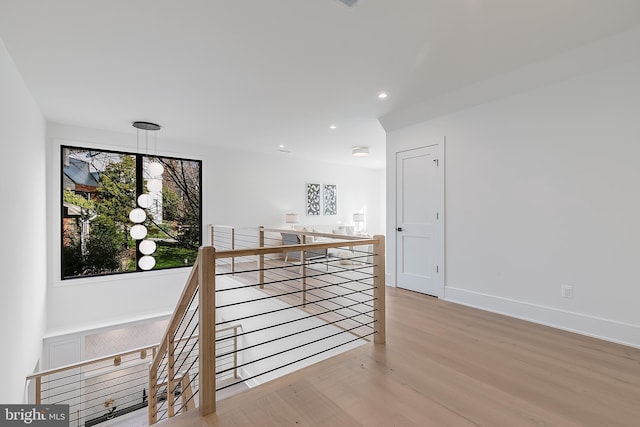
330,199
313,199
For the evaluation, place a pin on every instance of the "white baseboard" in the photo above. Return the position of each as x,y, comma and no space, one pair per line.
605,329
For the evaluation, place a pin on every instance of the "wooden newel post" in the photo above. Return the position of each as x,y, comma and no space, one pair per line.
233,246
207,311
153,395
379,288
38,390
261,257
303,269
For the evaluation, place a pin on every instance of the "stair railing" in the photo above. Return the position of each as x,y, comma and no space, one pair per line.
188,347
343,300
97,389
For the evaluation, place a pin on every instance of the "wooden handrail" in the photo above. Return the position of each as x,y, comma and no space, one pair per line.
289,248
232,231
312,233
90,362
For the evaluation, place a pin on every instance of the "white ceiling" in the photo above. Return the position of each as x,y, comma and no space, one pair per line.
254,74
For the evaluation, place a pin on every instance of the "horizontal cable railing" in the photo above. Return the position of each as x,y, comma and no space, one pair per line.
107,387
174,374
258,303
300,296
279,299
97,389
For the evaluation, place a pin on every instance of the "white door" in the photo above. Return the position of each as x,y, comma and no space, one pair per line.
420,221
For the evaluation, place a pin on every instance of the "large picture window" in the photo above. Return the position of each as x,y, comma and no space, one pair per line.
99,191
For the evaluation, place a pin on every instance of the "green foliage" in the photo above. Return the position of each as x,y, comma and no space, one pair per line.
171,202
104,247
78,200
116,194
73,264
182,185
172,255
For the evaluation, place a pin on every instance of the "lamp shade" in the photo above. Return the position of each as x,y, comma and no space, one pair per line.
291,218
358,217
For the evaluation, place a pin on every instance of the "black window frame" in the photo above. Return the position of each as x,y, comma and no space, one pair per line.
138,159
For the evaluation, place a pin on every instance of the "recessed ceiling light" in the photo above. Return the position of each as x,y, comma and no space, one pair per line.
332,127
281,146
360,151
382,95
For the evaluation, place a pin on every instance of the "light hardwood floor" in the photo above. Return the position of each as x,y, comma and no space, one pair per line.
450,365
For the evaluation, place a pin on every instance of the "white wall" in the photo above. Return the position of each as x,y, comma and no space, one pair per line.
81,304
23,252
542,189
259,189
239,188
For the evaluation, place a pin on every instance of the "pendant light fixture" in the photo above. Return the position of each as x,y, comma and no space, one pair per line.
138,215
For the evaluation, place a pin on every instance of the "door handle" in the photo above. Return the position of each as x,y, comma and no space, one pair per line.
399,228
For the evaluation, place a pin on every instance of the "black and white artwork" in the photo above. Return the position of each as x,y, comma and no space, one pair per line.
313,199
330,199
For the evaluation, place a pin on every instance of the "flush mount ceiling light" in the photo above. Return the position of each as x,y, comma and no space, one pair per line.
382,95
332,127
360,151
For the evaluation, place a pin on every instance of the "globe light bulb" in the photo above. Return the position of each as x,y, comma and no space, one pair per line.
147,262
154,185
138,232
155,169
147,247
145,200
137,215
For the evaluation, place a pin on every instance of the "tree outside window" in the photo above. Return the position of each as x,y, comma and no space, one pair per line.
100,188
